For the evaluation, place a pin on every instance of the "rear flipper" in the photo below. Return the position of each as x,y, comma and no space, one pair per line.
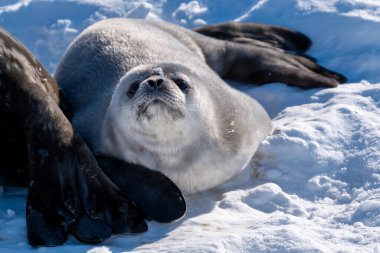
258,35
260,54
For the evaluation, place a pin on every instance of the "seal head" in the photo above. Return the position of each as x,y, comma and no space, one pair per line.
164,116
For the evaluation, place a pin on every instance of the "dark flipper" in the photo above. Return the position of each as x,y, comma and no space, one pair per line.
260,54
44,229
249,64
158,197
67,191
255,34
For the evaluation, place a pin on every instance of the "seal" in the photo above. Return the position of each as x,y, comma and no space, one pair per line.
151,93
67,190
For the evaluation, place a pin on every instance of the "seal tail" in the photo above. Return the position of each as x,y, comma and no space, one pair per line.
259,54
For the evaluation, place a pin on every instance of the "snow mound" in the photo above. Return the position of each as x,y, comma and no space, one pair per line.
348,159
267,198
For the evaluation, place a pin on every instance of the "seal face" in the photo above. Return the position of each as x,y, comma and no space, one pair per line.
160,117
150,111
151,93
156,99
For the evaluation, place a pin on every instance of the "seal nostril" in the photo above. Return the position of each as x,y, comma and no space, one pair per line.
159,82
155,82
151,83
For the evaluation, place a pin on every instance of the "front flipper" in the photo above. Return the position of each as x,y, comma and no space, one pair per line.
158,197
259,54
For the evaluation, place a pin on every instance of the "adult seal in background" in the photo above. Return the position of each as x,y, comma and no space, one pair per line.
151,93
67,191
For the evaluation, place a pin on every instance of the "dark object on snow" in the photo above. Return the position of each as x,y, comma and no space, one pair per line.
67,191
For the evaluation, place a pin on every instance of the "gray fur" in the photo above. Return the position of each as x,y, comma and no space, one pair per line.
103,54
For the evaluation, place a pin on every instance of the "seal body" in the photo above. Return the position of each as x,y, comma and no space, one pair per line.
145,93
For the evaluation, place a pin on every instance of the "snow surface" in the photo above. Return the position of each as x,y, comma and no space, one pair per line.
314,185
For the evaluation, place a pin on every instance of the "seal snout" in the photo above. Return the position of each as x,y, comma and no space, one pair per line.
155,81
152,84
157,88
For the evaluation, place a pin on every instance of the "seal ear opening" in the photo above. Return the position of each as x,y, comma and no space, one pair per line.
154,193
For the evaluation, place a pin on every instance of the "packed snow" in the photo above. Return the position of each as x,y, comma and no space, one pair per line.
314,184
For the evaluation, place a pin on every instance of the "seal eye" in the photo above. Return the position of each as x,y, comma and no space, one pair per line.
132,90
182,84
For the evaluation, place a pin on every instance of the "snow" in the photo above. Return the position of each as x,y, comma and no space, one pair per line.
314,184
188,11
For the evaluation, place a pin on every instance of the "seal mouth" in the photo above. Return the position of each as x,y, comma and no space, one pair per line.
156,101
159,101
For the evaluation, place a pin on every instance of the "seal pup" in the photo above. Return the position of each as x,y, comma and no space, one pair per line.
151,93
67,191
